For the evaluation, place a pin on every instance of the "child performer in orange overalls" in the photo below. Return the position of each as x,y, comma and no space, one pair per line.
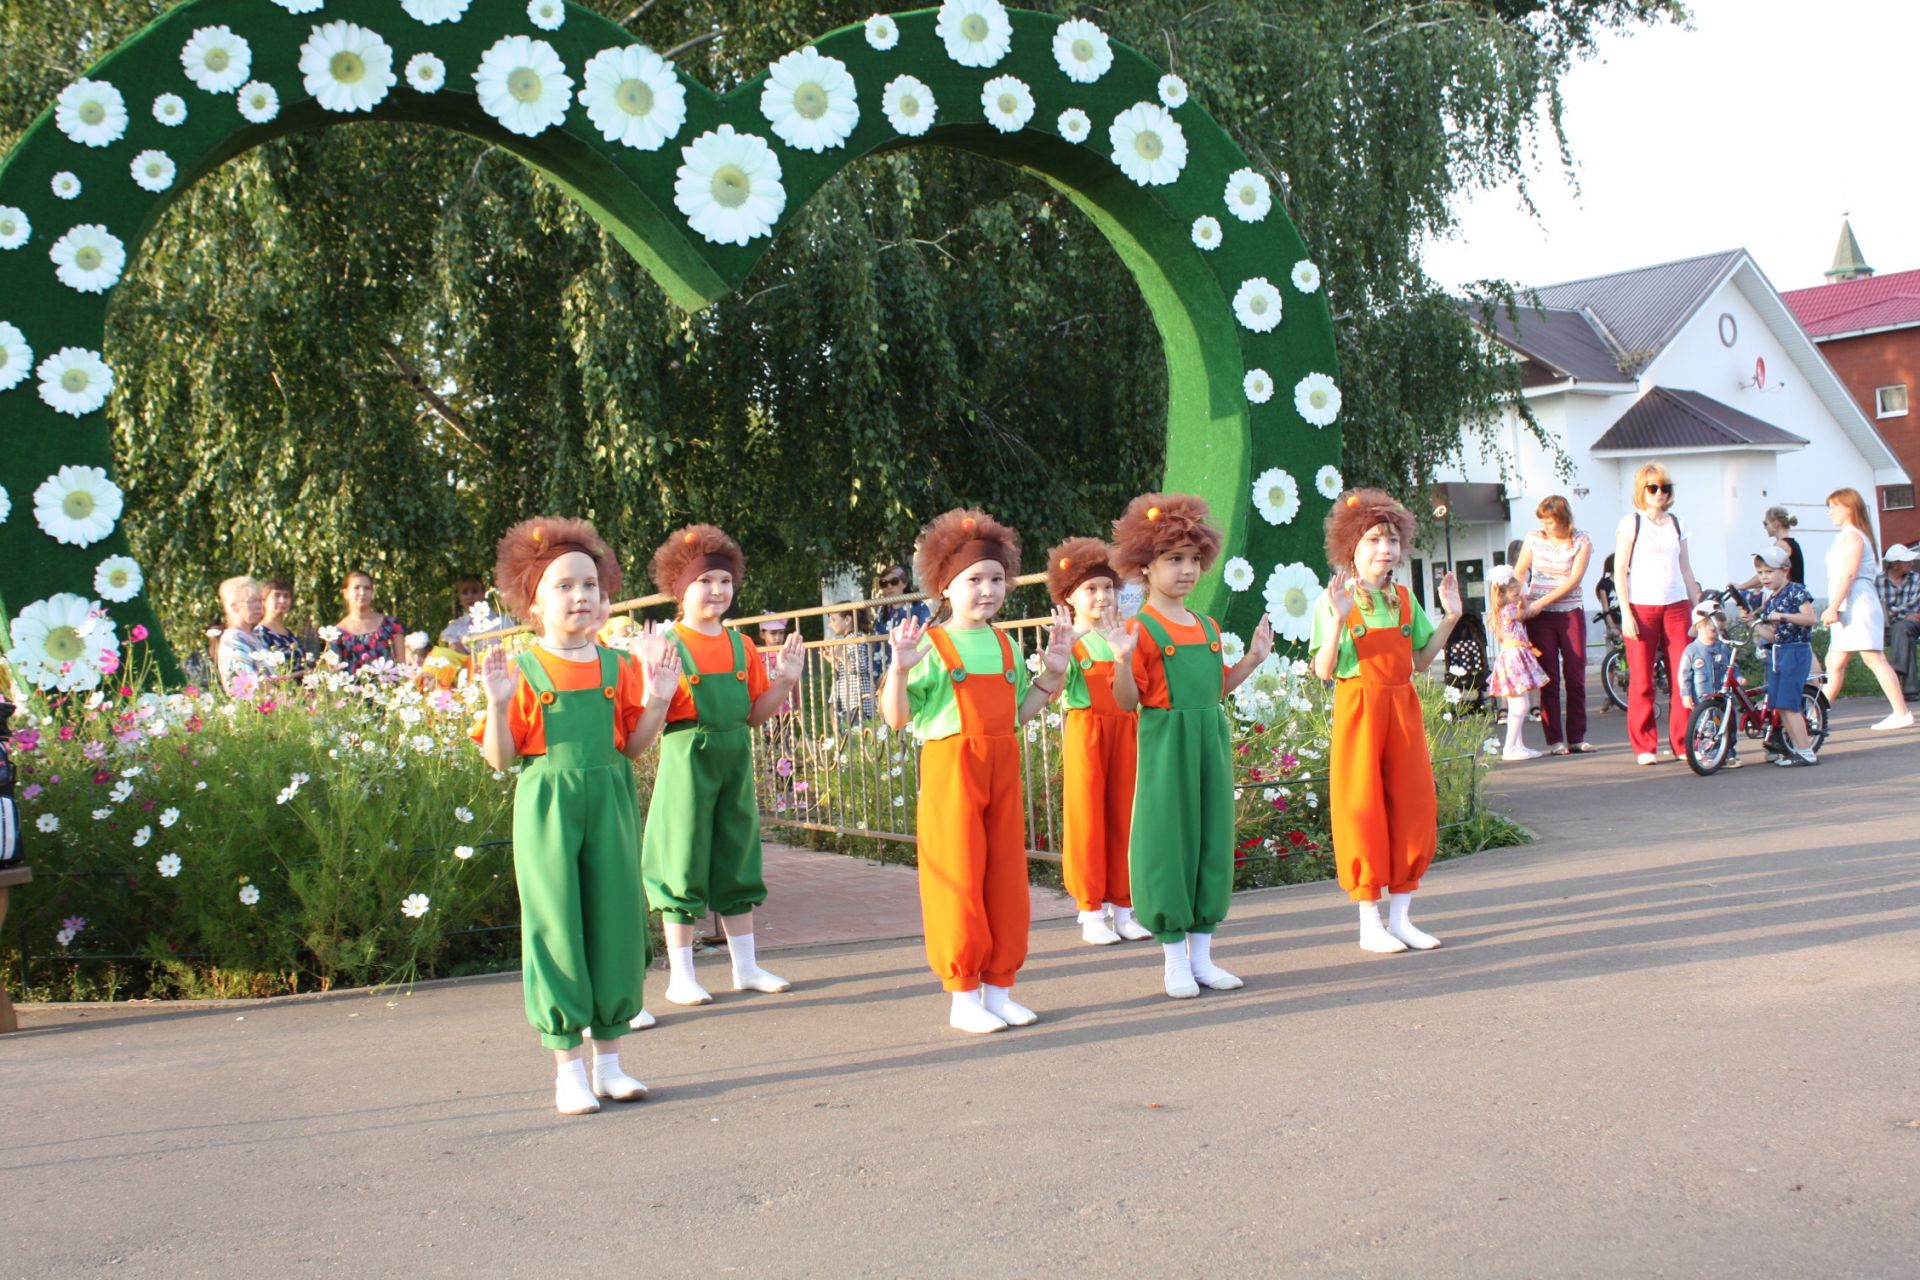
1100,748
1181,855
1369,637
964,691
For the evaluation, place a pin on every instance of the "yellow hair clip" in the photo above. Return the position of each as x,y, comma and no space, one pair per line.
1153,513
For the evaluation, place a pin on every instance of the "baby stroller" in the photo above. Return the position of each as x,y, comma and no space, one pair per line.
1467,662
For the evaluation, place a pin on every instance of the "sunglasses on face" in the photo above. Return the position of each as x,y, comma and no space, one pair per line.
1656,487
893,582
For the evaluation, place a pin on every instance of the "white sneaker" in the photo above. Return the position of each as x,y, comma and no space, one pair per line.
1130,929
573,1096
1520,753
612,1082
1094,930
1893,722
999,1002
760,980
971,1016
1375,938
1646,757
641,1021
1179,977
1413,936
687,992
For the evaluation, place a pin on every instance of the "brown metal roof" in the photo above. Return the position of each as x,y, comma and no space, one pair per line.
1568,342
1669,419
1644,309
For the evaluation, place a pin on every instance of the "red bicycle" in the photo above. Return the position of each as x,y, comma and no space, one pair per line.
1720,720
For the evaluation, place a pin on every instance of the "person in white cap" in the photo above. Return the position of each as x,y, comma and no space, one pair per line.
1900,592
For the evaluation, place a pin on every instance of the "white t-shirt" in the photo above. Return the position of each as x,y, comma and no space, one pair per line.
1654,578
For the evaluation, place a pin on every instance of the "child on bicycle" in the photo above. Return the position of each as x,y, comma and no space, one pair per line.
1784,618
1703,667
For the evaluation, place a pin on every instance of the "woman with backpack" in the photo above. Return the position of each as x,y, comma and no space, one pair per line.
1658,590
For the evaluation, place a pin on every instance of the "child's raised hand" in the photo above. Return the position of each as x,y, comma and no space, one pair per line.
1262,644
1340,594
1059,651
791,661
496,675
1450,593
659,659
1118,635
909,643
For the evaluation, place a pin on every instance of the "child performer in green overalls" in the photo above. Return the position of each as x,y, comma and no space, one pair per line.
1180,857
574,715
702,847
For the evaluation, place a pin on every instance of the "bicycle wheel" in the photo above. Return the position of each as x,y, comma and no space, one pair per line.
1813,705
1613,676
1709,736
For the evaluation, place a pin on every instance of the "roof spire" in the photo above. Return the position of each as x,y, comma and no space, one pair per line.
1848,262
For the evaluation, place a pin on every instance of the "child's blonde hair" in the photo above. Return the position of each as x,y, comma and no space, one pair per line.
1503,582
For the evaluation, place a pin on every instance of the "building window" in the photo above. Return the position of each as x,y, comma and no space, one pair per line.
1896,497
1890,402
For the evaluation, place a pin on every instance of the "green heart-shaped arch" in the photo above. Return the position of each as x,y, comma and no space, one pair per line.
1218,437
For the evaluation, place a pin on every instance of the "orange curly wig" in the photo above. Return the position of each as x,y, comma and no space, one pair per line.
1073,562
692,551
1358,510
958,539
529,547
1155,523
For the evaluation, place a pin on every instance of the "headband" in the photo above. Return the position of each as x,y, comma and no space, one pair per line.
699,565
549,552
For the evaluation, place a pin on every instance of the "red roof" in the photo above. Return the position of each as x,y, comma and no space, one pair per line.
1878,302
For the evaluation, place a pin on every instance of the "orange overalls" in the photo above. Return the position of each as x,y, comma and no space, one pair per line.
974,899
1100,753
1380,779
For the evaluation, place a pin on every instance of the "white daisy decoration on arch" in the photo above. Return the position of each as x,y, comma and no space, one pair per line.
633,97
153,170
728,186
1238,573
414,905
548,15
1256,304
908,105
1008,103
1148,144
882,32
1258,386
1232,649
1249,195
75,381
170,109
524,85
433,12
66,185
1306,276
810,100
118,579
1082,50
259,102
216,59
1074,125
1206,232
77,506
16,357
15,228
346,67
1291,591
425,72
1172,90
297,7
1328,482
977,33
88,258
1276,496
58,643
1318,399
91,112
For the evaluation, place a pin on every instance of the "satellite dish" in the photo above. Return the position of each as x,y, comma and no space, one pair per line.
1760,372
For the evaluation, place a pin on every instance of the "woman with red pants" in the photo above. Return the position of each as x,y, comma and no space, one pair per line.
1552,565
1657,586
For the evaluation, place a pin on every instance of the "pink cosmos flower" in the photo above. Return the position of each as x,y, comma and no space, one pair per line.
66,733
30,792
94,751
109,661
138,633
27,739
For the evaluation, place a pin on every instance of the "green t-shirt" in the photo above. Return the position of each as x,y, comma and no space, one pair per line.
936,713
1100,651
1384,612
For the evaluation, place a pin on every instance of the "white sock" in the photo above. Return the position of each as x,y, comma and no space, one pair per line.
1000,1003
970,1014
609,1081
1517,723
747,973
1126,926
1178,970
1205,971
1095,929
682,986
572,1095
1373,934
1402,927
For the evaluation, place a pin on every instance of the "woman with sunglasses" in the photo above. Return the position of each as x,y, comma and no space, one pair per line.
1657,586
893,581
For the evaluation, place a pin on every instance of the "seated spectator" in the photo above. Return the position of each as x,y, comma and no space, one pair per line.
468,591
240,653
1900,590
297,650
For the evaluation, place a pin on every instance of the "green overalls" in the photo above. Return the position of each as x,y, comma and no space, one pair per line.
1180,859
576,824
702,846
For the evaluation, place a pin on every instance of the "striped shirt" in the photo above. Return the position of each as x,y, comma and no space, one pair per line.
1553,565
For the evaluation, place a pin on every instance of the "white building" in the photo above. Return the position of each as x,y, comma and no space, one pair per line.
1696,364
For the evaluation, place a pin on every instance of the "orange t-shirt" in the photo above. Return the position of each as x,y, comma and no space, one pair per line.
713,655
528,727
1148,671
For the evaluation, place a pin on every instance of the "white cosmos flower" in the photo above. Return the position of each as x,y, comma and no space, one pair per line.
463,851
1306,276
1317,399
216,59
15,228
48,822
548,15
91,112
414,905
462,813
908,106
1232,649
1074,125
299,6
1276,496
142,836
1148,144
1238,573
882,32
1082,50
16,357
6,504
1329,482
633,97
117,579
74,380
66,185
259,102
168,865
810,100
77,505
1206,232
977,33
1008,103
434,12
58,643
1291,591
249,894
89,258
169,816
1256,304
728,187
1249,195
1173,91
426,72
346,67
523,84
170,109
153,170
1258,386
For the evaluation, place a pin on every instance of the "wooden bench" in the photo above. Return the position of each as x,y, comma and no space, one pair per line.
9,878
